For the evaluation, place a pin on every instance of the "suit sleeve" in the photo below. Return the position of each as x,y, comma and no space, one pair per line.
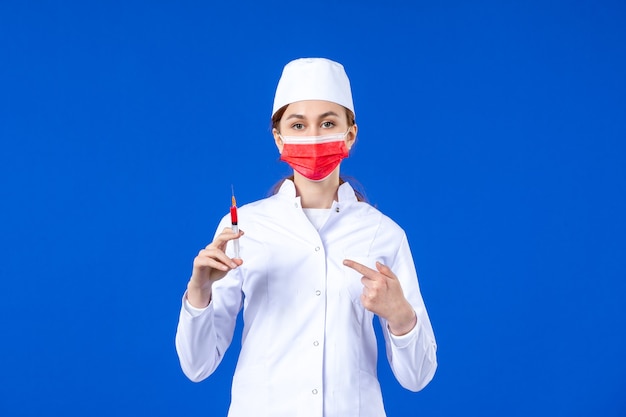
204,335
413,356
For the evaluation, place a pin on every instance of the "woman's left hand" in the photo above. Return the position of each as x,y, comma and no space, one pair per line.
382,295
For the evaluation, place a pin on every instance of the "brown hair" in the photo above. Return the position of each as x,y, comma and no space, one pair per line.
360,194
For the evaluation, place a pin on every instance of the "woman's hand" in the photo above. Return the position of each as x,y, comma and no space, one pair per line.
383,295
210,265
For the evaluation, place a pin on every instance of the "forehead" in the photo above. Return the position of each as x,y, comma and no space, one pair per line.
313,108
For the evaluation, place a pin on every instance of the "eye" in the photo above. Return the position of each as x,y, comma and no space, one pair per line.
297,126
328,125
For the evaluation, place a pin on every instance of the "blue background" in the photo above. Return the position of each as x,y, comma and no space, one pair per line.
492,131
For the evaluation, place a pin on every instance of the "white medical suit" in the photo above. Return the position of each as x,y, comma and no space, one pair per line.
308,345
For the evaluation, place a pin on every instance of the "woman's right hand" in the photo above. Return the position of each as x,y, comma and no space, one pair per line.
210,265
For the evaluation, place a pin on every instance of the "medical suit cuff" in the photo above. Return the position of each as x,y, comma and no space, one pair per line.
405,339
193,311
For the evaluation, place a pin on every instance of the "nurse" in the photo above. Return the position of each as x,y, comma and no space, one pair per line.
317,265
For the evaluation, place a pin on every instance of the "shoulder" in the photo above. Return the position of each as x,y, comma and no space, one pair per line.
368,213
263,204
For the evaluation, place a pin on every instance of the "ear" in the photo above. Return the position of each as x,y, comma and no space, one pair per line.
351,136
277,140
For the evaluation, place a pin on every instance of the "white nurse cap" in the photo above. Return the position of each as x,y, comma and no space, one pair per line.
313,79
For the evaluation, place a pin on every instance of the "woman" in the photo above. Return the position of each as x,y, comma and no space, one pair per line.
316,265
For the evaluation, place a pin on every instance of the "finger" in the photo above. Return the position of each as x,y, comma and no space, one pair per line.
210,263
371,283
205,256
221,239
385,270
204,263
236,235
360,268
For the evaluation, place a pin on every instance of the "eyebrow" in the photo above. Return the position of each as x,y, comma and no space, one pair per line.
321,116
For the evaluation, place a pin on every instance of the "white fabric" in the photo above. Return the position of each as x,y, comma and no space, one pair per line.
313,79
308,345
317,217
313,140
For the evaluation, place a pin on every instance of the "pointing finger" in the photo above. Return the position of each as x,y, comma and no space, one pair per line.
360,268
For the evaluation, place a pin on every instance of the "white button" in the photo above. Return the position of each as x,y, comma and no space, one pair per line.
295,205
314,392
316,343
317,249
318,292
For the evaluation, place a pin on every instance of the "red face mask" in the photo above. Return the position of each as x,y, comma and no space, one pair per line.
314,157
